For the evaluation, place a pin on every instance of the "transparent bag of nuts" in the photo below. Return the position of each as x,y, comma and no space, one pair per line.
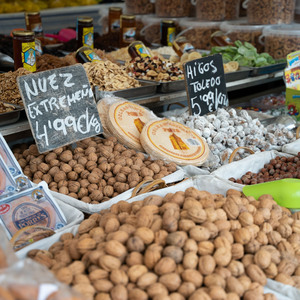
270,11
172,8
139,7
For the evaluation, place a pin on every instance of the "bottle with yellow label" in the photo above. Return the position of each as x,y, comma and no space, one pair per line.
24,50
85,32
138,49
168,32
86,54
127,30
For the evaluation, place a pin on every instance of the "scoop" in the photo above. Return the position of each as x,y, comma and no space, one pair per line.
286,192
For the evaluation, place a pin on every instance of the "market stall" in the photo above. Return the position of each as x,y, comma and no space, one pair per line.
150,150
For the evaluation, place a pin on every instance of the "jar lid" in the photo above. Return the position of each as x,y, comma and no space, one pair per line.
127,17
32,13
23,33
85,19
115,8
168,22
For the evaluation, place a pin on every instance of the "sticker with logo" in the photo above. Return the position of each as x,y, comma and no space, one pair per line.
88,37
171,35
91,55
28,56
4,208
129,34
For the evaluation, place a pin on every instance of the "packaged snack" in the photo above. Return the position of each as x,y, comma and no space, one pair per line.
9,158
34,206
7,182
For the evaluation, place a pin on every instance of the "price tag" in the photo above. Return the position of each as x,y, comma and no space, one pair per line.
205,84
60,106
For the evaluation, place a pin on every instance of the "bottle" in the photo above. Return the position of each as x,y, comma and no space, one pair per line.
86,54
219,38
24,50
138,49
127,30
181,46
85,32
168,32
34,22
114,15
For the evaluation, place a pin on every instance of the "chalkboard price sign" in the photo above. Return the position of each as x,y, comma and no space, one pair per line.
60,106
205,84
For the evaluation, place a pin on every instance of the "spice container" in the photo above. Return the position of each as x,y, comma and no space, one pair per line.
242,31
139,7
24,50
281,40
114,15
85,32
270,11
34,22
168,32
198,33
138,49
127,30
86,54
174,8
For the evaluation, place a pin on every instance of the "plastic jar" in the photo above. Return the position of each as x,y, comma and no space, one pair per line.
172,8
24,50
139,7
281,40
242,31
85,32
270,11
127,30
198,33
34,22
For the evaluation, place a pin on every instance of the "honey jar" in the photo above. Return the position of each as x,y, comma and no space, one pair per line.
86,54
127,30
181,46
34,22
85,32
168,32
138,49
24,50
114,15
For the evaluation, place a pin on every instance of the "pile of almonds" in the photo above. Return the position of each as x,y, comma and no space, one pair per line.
188,245
94,172
277,168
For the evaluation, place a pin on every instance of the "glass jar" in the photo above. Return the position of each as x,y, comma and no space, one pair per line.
270,11
127,30
86,54
172,9
138,49
24,50
85,32
168,32
114,15
219,38
181,46
139,7
34,22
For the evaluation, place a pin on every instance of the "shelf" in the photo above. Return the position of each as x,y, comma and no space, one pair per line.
163,99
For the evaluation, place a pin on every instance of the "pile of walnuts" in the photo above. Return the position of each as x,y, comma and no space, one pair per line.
94,172
188,245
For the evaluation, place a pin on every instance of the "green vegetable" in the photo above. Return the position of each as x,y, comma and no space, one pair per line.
245,54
